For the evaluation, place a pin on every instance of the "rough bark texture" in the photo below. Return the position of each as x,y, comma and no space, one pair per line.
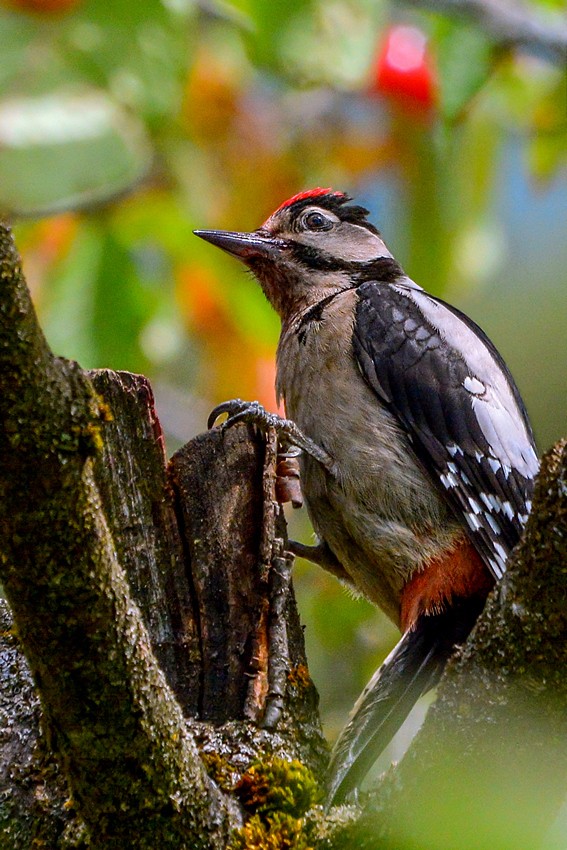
161,635
111,719
110,564
131,475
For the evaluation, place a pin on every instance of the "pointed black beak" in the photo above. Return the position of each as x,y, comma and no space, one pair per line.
244,246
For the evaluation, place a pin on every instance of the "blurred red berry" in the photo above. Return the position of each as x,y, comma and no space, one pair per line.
41,7
404,70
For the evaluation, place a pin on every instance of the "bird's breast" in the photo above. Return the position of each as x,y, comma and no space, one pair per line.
381,514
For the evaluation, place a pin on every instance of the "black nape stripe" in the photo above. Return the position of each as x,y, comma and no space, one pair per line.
384,269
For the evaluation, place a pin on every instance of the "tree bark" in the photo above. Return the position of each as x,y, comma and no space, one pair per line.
137,611
164,698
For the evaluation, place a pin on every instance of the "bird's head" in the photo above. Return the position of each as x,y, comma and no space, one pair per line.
314,244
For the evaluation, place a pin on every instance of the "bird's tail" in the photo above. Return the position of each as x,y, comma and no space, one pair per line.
412,668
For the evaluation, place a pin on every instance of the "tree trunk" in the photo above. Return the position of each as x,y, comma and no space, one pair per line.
164,698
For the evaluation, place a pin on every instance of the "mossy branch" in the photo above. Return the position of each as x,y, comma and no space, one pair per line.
111,716
146,599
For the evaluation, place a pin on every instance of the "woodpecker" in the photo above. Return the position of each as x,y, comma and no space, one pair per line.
418,458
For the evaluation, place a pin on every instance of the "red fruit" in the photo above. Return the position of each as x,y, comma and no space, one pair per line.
404,70
42,7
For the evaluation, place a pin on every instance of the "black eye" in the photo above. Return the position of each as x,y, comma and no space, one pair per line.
317,221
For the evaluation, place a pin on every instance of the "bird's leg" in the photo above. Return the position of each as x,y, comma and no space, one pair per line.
321,555
288,432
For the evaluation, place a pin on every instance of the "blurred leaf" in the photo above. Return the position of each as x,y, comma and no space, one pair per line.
16,32
323,41
121,306
465,59
138,52
251,311
46,8
66,305
96,308
63,151
271,25
547,154
548,150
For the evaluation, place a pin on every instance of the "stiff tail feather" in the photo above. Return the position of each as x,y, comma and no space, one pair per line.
413,667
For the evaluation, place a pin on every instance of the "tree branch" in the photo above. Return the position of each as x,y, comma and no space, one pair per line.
111,716
509,24
111,564
131,475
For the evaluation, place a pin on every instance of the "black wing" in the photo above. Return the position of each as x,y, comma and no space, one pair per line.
450,389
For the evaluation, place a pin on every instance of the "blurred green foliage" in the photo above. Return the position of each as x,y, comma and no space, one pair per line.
127,124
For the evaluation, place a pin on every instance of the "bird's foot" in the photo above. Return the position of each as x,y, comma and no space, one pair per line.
288,432
321,555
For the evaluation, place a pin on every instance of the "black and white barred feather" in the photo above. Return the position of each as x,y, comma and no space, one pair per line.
444,380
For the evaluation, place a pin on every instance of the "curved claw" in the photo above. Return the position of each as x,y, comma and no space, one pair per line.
288,432
231,407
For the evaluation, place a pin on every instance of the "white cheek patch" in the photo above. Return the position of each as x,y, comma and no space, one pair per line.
357,243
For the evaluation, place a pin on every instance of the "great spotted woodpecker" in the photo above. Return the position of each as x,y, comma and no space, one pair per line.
418,457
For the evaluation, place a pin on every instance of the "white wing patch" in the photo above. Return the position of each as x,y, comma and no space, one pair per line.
474,386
